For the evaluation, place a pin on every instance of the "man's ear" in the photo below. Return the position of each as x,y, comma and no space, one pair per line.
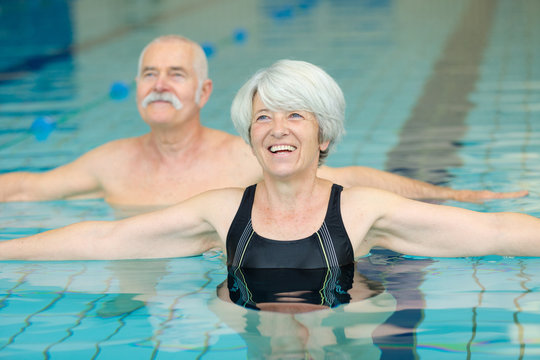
206,91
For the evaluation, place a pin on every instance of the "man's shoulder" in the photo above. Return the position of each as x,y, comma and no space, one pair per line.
219,135
234,158
224,140
123,144
111,150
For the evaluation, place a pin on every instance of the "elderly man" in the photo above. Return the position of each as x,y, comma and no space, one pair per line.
179,157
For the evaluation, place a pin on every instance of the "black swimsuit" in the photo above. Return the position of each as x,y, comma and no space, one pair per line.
328,247
319,268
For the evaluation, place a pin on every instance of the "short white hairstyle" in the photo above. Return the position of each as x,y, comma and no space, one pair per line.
290,85
200,62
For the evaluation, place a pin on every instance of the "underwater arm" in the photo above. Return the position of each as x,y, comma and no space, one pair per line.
414,189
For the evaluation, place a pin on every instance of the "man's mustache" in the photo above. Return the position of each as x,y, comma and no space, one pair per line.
162,96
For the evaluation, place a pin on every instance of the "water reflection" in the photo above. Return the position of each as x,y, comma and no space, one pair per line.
304,314
291,290
402,278
371,308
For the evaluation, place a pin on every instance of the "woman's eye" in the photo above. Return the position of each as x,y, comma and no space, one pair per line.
295,116
262,118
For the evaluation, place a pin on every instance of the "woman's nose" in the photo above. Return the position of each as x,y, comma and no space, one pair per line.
280,126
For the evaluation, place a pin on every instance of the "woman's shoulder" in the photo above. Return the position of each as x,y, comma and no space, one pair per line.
218,202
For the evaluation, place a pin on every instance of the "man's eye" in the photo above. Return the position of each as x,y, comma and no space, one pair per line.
149,75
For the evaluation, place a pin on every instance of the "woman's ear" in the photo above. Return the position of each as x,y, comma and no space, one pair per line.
324,145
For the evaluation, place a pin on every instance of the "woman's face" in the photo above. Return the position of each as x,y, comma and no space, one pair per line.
285,142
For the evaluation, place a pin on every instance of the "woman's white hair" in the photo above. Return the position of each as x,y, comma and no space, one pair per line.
293,85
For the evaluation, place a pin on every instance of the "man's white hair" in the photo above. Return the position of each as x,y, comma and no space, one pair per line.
200,63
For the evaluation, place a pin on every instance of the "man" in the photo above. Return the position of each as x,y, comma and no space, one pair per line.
179,157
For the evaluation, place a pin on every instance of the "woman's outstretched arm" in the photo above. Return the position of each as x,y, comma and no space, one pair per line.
189,228
417,228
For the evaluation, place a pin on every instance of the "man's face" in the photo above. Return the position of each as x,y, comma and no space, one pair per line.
167,84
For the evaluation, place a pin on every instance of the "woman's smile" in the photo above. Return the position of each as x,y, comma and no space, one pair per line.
281,148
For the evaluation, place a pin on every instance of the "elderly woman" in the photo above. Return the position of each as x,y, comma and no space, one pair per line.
291,114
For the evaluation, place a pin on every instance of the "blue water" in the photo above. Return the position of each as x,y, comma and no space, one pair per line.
446,91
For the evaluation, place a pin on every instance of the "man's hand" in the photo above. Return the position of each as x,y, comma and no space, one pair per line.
482,195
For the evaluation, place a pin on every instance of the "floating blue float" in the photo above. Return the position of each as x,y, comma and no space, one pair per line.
209,49
42,126
285,12
307,4
239,35
119,90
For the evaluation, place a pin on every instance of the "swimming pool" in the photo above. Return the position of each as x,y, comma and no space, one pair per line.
445,91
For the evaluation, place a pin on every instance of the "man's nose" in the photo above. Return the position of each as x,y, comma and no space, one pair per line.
161,83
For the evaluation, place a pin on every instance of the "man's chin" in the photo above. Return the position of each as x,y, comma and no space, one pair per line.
162,119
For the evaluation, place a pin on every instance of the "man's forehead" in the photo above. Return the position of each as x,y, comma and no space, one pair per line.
149,67
170,54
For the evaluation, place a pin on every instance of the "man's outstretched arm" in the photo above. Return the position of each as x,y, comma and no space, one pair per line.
406,187
73,180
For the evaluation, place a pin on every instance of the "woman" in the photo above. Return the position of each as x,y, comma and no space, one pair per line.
291,114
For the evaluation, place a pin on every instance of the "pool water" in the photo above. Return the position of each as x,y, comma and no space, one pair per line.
445,91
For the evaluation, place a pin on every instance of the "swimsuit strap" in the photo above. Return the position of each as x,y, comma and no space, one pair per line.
243,216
